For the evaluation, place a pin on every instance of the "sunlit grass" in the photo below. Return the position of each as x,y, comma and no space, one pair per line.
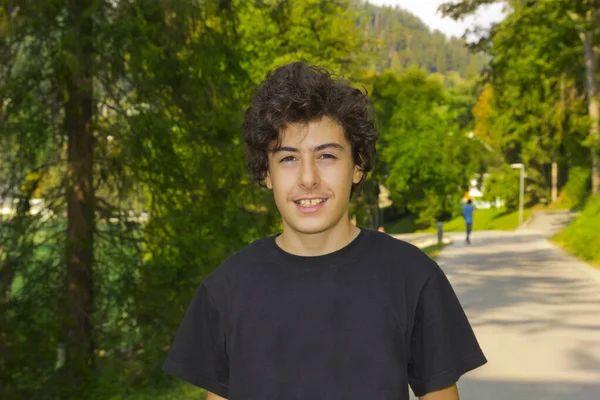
582,237
433,251
487,219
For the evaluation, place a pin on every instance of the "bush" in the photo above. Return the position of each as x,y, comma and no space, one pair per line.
503,183
582,236
575,191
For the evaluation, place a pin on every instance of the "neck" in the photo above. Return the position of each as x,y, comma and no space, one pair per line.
317,244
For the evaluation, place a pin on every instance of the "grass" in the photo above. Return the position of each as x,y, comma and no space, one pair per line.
434,250
582,237
403,225
487,219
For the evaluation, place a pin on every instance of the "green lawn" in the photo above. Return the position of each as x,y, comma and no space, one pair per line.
403,225
434,250
486,219
582,237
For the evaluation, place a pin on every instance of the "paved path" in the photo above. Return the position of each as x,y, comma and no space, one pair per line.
416,238
547,223
536,313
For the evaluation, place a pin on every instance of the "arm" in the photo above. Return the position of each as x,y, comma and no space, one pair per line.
212,396
198,353
449,393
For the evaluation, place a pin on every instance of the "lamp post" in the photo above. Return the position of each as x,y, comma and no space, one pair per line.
521,189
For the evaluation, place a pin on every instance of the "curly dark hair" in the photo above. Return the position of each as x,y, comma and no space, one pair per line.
301,93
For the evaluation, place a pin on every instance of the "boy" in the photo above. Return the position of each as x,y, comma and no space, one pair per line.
468,216
324,310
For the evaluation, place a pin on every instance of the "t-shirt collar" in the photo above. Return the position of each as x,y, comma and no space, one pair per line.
326,260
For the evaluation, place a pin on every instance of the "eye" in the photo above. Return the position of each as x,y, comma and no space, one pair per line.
330,156
287,159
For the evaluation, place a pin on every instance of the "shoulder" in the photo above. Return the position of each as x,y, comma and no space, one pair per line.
235,266
408,273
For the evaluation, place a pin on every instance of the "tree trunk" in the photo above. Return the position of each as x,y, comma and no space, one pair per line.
591,69
554,181
79,345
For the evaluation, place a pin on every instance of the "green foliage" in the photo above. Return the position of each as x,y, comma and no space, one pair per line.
582,236
576,191
533,109
109,387
531,55
171,82
400,40
33,310
427,159
272,33
186,152
503,183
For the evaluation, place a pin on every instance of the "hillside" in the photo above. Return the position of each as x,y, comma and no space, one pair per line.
401,39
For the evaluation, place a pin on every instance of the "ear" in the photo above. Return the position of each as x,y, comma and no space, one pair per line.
268,182
358,174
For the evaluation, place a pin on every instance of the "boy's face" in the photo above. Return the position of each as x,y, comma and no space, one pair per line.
311,175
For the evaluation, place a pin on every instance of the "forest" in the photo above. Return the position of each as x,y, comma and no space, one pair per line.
122,171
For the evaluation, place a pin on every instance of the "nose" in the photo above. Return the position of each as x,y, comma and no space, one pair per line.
309,174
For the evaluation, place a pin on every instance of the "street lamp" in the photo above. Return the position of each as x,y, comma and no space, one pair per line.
521,189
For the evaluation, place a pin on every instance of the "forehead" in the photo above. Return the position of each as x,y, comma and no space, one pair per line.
313,133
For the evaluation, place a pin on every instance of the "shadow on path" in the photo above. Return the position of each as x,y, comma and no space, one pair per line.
526,390
536,313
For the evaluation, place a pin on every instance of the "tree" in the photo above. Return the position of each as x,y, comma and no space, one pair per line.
535,86
103,99
400,39
587,17
78,110
125,116
428,158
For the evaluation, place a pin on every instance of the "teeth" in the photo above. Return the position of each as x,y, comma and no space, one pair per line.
309,203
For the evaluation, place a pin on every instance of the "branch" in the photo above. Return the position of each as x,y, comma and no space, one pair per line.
458,11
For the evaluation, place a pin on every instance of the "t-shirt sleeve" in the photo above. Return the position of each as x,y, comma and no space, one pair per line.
198,354
443,346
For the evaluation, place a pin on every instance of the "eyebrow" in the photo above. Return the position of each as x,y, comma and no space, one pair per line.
315,149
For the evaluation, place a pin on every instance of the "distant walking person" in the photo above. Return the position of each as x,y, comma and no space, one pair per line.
468,216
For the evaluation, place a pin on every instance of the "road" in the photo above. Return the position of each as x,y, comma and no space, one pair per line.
536,313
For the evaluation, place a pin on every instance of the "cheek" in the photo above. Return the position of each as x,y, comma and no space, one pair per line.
282,185
338,179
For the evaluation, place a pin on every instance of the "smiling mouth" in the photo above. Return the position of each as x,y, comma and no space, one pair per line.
310,203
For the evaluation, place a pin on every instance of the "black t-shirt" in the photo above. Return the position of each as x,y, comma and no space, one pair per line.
362,322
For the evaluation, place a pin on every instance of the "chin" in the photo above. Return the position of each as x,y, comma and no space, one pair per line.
310,230
308,227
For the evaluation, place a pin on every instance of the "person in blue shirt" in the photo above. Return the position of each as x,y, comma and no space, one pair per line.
468,216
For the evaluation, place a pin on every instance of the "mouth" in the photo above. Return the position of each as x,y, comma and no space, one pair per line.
310,206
